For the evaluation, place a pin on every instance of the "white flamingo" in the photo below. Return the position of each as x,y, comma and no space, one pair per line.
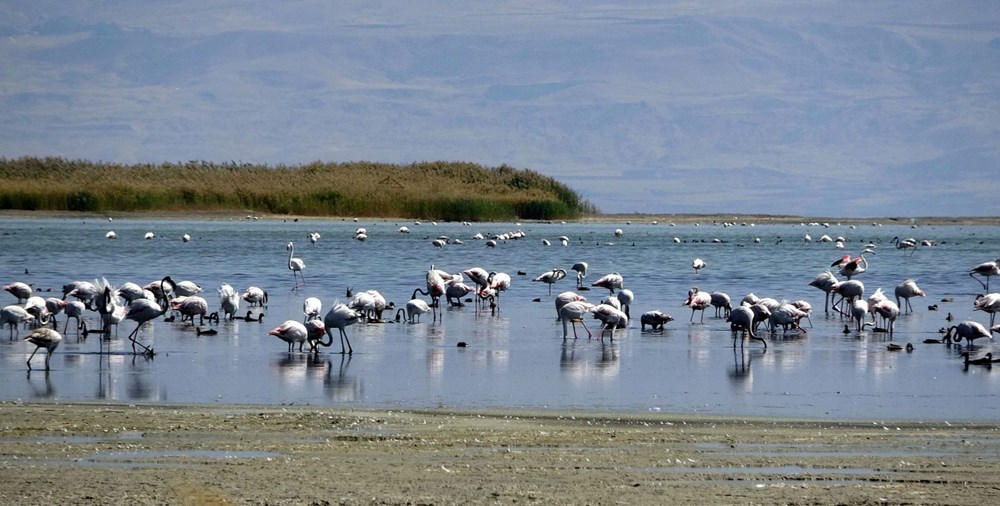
255,296
824,281
698,264
581,272
44,338
291,332
741,318
340,317
14,315
655,319
295,265
611,318
986,270
20,290
312,307
414,308
698,301
551,277
610,281
722,304
573,312
229,301
969,330
142,311
905,290
988,303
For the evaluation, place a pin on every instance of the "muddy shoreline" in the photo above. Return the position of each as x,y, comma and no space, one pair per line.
79,453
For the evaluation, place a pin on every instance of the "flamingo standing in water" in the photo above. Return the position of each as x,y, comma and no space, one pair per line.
229,300
824,281
290,332
698,301
339,317
581,272
742,318
142,311
20,290
988,303
969,330
311,307
698,264
255,296
414,308
565,298
295,265
573,312
610,281
905,290
43,338
611,317
986,270
551,277
13,315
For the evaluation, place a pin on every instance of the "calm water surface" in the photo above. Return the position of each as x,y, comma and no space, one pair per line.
516,358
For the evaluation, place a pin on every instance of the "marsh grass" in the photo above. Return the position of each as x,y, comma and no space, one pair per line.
434,190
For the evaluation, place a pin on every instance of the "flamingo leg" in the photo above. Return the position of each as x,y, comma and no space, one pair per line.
343,337
33,356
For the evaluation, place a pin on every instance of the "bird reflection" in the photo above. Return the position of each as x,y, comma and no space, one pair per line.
42,393
340,387
740,373
575,360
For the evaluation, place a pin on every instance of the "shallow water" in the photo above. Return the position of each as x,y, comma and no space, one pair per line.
516,358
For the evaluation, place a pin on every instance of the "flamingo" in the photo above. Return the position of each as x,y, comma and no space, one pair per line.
74,309
130,292
414,308
824,281
848,290
625,298
290,332
742,318
551,277
311,307
889,311
498,282
988,303
986,270
698,301
435,289
111,235
142,311
611,318
786,315
85,291
859,308
573,312
55,306
44,338
20,290
313,238
192,306
565,298
969,330
698,264
655,319
455,291
295,265
761,313
610,281
581,272
37,307
339,317
255,296
229,301
908,289
14,315
187,288
853,266
722,304
905,244
380,306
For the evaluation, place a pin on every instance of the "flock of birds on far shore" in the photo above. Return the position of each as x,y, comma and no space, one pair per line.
167,298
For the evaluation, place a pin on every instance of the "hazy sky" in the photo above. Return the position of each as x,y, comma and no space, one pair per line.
847,108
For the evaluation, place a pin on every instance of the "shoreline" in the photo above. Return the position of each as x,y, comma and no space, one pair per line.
224,454
661,219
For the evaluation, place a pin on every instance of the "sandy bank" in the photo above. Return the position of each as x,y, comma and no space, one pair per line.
120,454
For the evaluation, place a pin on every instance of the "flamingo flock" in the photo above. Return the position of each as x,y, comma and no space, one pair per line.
166,299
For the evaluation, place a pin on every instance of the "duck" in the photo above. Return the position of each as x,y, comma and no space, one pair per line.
206,332
898,347
250,318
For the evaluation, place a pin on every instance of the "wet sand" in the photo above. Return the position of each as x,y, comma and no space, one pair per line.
145,454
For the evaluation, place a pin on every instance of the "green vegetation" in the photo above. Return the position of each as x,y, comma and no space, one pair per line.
453,191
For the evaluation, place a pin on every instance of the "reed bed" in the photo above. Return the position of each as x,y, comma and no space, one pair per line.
454,191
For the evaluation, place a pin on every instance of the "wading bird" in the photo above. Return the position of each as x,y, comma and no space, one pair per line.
551,277
986,270
43,338
295,265
905,290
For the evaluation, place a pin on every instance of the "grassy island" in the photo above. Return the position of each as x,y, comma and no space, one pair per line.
454,191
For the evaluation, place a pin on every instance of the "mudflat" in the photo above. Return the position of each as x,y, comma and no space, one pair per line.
91,453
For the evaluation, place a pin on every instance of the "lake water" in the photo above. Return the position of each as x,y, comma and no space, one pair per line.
516,358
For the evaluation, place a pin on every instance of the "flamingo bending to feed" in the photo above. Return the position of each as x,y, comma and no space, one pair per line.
192,306
848,290
722,304
698,301
295,265
611,318
573,312
13,315
908,289
969,330
610,281
339,317
229,300
889,311
414,308
824,281
742,318
291,332
655,319
625,298
20,290
551,277
44,338
312,307
565,298
255,296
